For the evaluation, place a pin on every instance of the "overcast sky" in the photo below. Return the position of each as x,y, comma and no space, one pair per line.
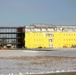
25,12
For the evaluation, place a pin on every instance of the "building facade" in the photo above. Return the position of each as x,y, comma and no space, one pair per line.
50,36
12,37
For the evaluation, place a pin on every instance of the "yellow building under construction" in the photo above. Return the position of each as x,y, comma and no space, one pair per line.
50,36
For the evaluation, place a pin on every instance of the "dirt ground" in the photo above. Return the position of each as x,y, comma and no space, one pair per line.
37,64
37,61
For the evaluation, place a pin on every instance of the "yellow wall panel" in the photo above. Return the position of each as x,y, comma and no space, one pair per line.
55,40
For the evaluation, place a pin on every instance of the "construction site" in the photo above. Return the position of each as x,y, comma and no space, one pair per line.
38,50
38,36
